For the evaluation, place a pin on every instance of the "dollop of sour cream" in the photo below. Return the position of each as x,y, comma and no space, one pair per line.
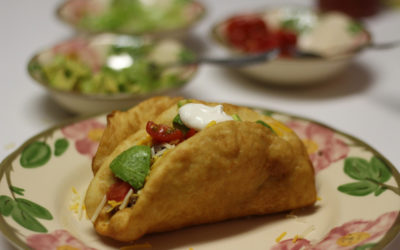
198,116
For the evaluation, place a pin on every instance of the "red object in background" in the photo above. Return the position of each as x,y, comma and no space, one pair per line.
251,34
354,8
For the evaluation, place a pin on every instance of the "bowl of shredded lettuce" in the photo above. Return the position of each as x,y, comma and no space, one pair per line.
108,71
160,18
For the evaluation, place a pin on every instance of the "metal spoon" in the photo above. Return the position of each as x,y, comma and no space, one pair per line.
237,61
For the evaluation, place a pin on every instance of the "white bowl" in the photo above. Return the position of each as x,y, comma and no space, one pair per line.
93,103
292,71
70,12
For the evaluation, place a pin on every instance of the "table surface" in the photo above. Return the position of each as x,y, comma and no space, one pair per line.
364,101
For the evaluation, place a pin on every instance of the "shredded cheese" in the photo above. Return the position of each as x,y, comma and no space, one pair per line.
98,209
74,207
145,141
319,198
280,237
166,147
212,123
291,215
76,202
296,237
112,204
126,199
82,206
80,211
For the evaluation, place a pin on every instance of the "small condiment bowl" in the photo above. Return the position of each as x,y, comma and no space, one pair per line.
307,65
59,70
93,16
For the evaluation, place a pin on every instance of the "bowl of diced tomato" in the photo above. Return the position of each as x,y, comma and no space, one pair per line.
313,46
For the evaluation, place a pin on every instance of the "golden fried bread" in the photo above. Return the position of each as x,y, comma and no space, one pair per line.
228,170
121,124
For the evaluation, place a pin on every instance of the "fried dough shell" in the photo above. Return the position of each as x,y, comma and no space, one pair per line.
229,170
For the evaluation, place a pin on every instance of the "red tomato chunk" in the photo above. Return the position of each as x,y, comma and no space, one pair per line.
190,133
118,191
163,133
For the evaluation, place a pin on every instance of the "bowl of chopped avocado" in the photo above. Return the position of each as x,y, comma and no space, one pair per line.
159,18
108,71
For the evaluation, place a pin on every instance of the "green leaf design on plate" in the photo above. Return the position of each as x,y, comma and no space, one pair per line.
365,246
35,155
360,188
26,220
24,212
60,146
379,191
34,209
379,171
6,205
17,190
357,168
372,176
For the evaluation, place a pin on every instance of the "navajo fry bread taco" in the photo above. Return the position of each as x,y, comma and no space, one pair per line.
195,163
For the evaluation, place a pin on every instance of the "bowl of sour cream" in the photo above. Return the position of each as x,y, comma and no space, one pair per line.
313,46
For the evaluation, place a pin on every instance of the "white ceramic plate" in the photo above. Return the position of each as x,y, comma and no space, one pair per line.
43,182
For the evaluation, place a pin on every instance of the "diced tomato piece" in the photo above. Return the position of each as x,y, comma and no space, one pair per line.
190,133
245,31
163,133
287,42
118,191
250,33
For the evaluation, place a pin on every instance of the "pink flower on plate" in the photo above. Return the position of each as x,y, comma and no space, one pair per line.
86,135
58,240
348,236
322,145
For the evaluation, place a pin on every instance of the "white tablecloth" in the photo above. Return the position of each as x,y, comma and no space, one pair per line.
364,101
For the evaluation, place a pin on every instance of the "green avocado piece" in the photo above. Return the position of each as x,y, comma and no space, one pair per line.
64,73
133,165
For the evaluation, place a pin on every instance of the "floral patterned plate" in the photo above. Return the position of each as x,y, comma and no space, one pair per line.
43,183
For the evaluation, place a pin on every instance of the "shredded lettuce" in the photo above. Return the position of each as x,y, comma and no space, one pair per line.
136,17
